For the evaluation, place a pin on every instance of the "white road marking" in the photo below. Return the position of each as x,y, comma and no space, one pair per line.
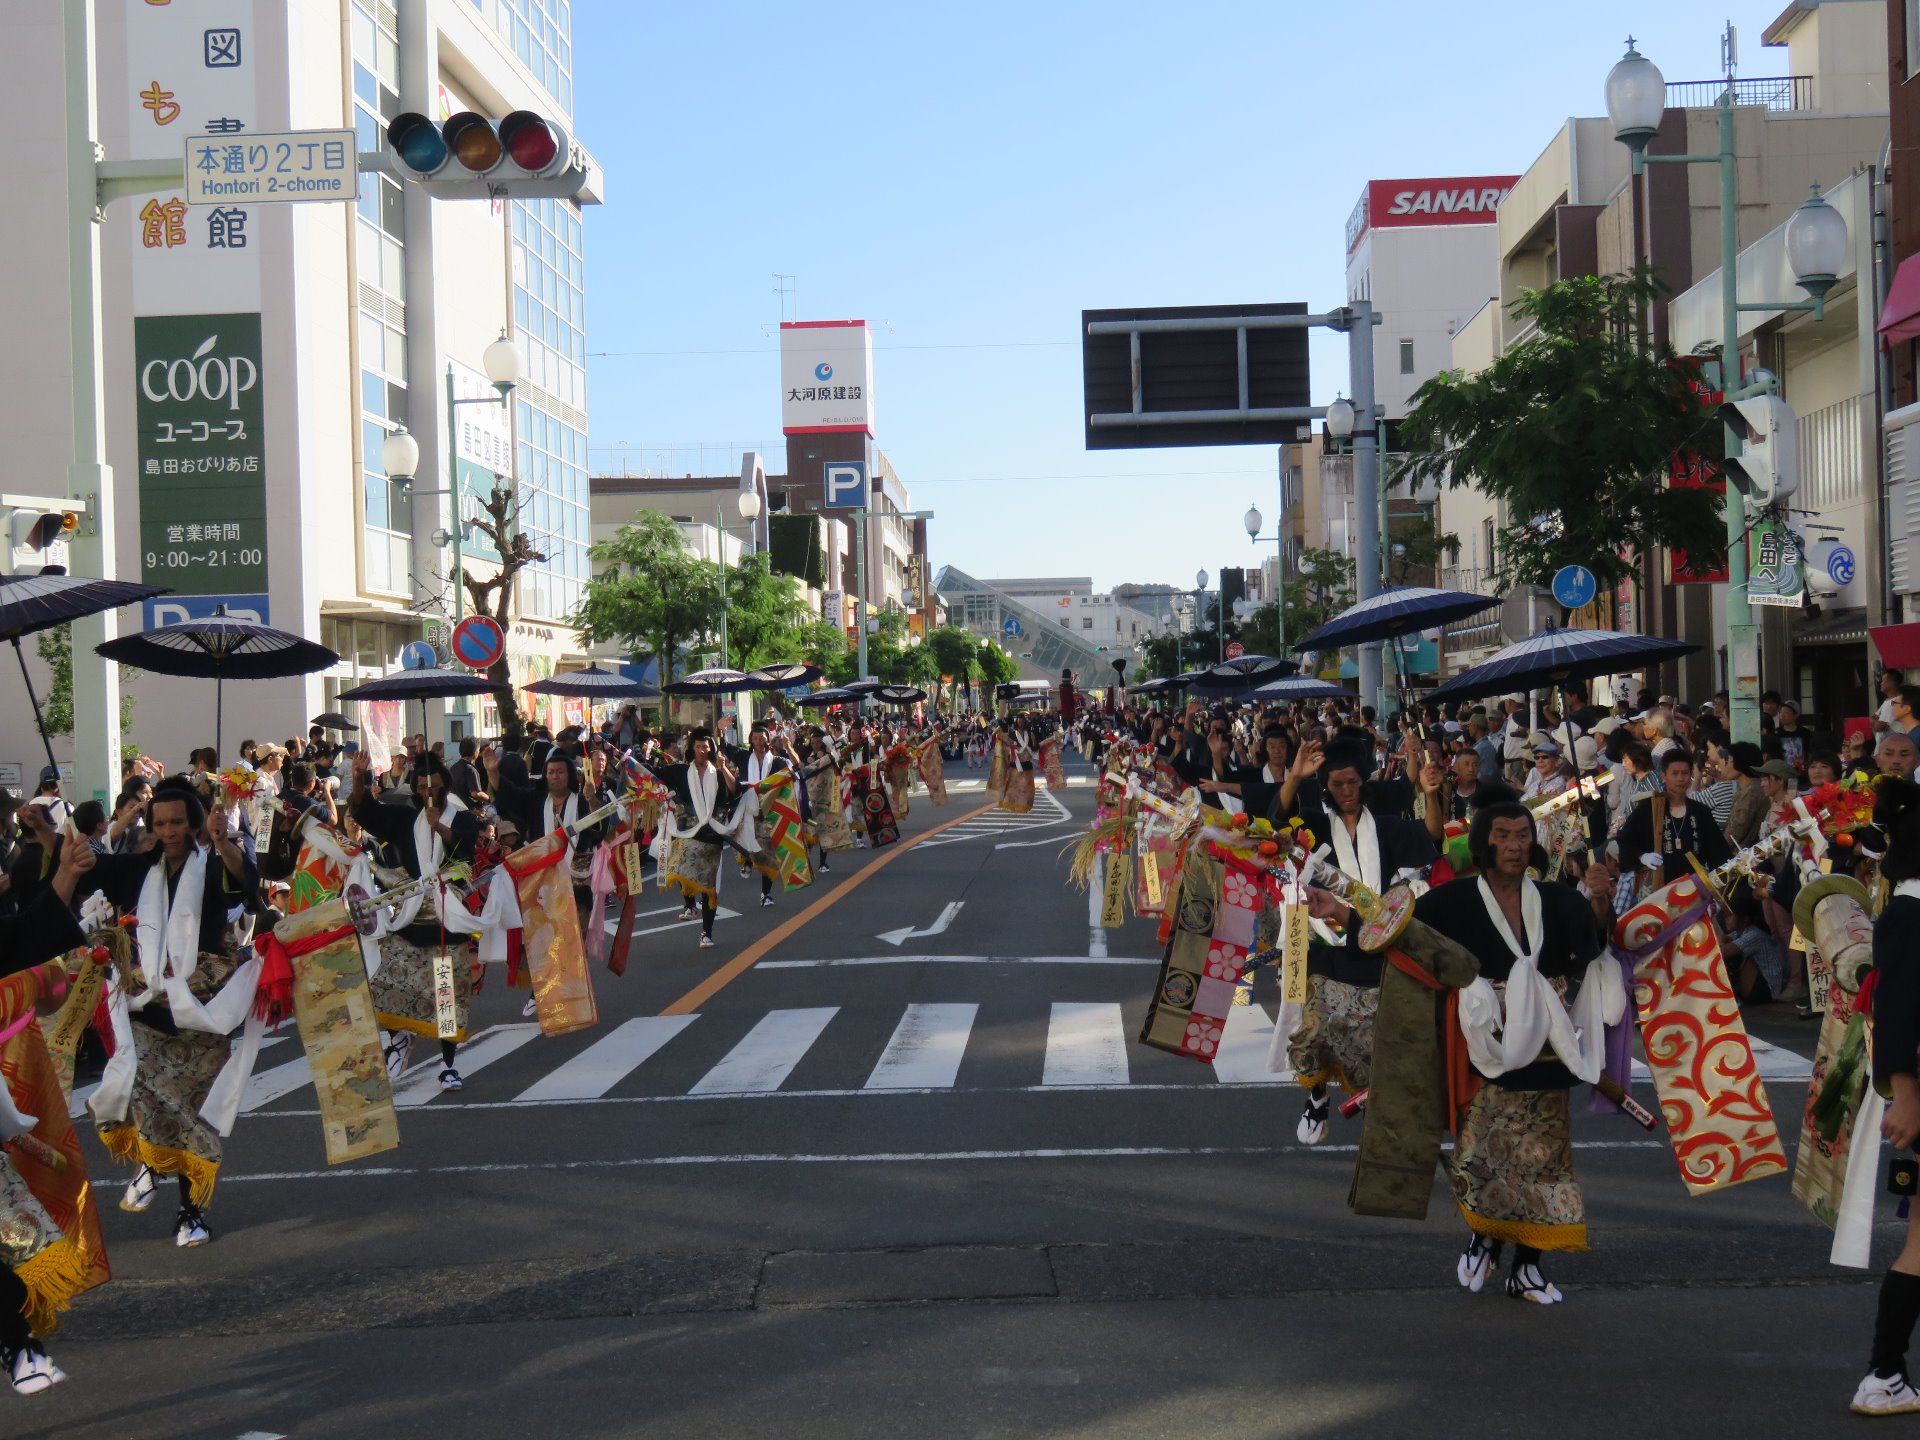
956,960
768,1053
720,912
1086,1045
1243,1049
1049,811
901,1157
608,1061
926,1048
422,1083
938,927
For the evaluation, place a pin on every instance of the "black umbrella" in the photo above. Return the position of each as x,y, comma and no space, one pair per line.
710,682
1241,672
1554,657
594,683
1397,611
31,603
333,720
429,682
1301,687
900,694
863,687
783,676
833,695
221,648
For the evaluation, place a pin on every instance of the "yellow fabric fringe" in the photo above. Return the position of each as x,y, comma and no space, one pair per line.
1527,1232
1332,1075
687,888
53,1278
123,1142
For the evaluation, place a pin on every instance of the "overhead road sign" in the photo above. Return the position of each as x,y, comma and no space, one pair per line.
264,168
1195,375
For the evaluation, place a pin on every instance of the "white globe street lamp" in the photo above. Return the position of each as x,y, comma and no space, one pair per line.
1816,244
749,502
1200,580
1340,417
1253,521
400,454
503,363
1636,99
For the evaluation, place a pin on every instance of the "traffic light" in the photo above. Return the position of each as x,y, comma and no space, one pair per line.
1768,467
468,155
37,539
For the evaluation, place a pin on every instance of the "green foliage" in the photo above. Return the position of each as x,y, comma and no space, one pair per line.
954,654
794,543
1572,430
650,595
765,615
997,667
1422,550
55,647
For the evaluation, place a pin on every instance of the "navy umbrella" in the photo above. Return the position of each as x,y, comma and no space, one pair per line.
1301,687
1400,610
31,603
863,687
1554,657
1241,672
832,695
900,694
428,682
1152,687
593,683
221,648
783,676
710,682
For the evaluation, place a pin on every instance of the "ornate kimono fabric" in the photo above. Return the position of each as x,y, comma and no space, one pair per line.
556,954
873,814
333,1011
1832,914
1697,1047
1219,907
933,771
783,845
49,1225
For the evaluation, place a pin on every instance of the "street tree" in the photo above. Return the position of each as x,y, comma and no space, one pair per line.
1573,431
997,667
766,617
498,524
1419,548
650,594
955,656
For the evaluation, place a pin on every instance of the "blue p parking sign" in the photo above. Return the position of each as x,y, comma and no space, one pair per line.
844,483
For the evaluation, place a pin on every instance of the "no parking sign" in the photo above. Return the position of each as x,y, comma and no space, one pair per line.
478,641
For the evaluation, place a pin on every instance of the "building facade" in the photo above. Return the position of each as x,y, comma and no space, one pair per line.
349,320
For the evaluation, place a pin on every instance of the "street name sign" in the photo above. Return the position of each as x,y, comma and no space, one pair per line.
269,168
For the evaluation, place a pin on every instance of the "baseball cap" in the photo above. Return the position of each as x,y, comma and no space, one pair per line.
1607,726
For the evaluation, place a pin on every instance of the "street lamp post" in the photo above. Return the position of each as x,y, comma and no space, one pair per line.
503,363
1816,242
1253,520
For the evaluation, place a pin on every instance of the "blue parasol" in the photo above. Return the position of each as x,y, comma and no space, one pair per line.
1241,672
1554,657
1301,687
1400,610
710,682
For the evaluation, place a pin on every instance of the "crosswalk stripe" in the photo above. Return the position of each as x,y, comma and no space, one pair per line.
768,1053
266,1086
422,1083
1085,1046
926,1048
1243,1049
609,1060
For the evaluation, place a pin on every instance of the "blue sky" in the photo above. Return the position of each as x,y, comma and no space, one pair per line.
968,178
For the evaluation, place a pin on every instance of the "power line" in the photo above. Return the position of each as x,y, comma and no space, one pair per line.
775,350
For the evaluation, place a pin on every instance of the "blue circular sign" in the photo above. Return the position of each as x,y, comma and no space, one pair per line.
418,655
1841,565
478,641
1010,627
1574,586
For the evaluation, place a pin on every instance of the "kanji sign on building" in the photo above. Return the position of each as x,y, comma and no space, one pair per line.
203,497
258,167
826,377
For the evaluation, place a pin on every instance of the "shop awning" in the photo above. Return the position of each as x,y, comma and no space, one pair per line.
1900,320
1899,645
1844,626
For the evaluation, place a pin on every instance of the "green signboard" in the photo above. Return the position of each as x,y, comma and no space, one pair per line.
202,454
1776,572
477,483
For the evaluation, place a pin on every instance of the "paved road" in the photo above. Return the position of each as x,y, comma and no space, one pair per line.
908,1165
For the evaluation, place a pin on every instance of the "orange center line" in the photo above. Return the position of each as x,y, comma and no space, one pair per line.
688,1003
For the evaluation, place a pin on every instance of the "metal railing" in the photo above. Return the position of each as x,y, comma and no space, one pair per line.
1775,92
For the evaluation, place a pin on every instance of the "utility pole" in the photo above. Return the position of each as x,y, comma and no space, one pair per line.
96,682
1361,318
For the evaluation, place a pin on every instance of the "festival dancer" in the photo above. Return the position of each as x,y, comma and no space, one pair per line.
709,813
171,1092
1512,1161
426,834
754,765
827,818
1333,1039
1885,1390
41,932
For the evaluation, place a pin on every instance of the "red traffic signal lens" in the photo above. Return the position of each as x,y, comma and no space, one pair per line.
473,142
416,141
532,144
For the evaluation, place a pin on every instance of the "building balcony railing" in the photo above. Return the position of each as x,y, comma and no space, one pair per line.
1774,92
